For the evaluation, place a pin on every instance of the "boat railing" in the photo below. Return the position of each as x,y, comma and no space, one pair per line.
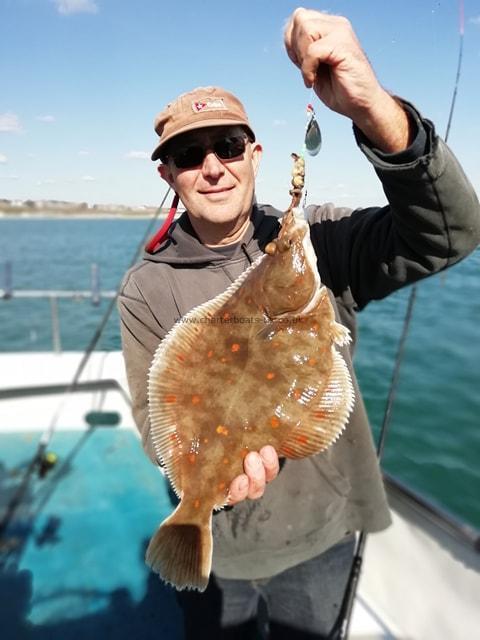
433,512
94,294
105,384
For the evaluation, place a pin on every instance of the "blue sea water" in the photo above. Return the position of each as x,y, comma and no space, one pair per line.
434,438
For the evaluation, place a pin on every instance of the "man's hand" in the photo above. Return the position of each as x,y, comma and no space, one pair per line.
331,59
260,468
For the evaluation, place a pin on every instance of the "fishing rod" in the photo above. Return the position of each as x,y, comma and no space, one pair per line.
42,460
341,627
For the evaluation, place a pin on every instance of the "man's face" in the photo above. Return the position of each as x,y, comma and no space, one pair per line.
215,191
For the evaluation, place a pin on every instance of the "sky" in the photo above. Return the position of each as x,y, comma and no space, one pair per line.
82,80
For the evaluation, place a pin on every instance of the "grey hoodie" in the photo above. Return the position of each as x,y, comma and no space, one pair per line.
431,222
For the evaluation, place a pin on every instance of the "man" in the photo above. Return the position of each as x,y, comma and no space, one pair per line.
291,543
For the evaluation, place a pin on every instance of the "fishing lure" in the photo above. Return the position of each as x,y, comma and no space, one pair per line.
313,135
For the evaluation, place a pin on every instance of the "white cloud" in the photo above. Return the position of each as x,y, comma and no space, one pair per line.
45,118
40,183
9,122
67,7
475,20
137,155
3,158
88,179
279,123
84,153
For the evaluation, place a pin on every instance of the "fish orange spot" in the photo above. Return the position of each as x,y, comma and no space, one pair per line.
170,398
196,399
180,357
226,316
270,375
302,439
222,430
297,394
235,347
223,360
274,422
312,361
210,354
222,485
226,461
192,457
275,344
205,440
319,414
196,503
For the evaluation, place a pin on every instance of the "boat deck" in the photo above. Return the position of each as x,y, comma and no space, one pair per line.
75,564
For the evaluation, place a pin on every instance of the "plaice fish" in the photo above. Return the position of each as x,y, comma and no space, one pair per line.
256,365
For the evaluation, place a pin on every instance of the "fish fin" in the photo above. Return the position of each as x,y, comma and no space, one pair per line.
181,550
221,505
268,330
340,334
163,429
326,420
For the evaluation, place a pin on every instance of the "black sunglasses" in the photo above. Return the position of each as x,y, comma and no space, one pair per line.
226,148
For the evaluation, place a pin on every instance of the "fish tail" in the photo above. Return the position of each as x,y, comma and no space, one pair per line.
181,549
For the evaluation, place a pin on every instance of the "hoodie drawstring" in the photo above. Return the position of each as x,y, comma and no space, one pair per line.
243,247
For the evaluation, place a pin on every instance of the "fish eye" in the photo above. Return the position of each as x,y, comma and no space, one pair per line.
271,248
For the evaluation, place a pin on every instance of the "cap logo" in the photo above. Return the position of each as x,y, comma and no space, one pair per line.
214,104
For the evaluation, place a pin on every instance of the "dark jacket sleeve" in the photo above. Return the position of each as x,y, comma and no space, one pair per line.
431,222
141,334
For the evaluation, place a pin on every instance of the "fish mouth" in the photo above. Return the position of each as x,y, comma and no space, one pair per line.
294,229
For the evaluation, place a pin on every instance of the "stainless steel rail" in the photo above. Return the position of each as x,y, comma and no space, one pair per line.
94,294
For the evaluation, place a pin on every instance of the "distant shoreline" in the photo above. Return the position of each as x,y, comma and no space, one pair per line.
67,209
98,215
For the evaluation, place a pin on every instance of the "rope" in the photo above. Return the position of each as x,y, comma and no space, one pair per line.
47,435
341,627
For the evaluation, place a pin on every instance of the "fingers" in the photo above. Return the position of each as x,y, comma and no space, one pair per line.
260,468
332,60
238,489
250,484
304,27
270,461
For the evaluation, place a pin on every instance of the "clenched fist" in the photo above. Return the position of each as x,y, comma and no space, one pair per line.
331,59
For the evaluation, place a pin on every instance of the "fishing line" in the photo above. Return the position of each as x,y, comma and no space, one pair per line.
312,140
341,628
459,67
47,435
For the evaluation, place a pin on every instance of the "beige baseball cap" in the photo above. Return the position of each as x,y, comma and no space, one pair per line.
202,107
